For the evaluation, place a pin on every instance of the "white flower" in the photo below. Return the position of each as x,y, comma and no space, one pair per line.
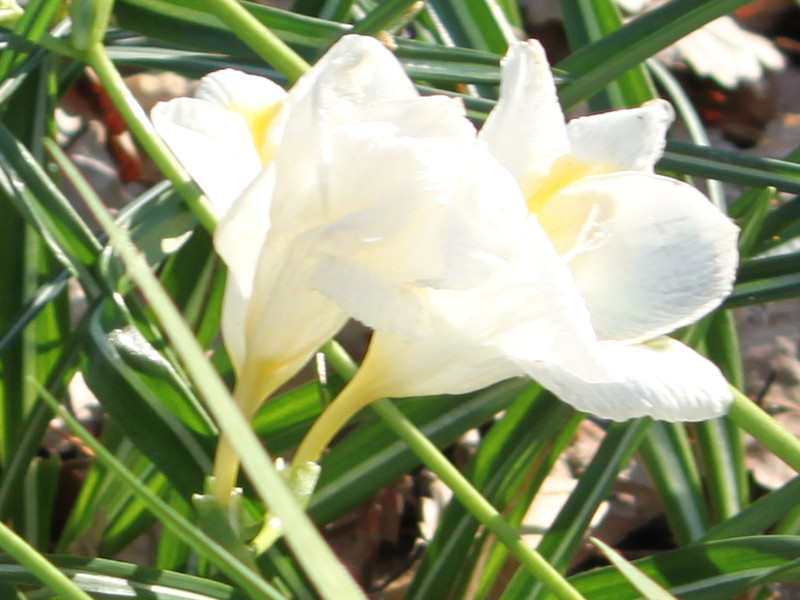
613,258
649,254
366,196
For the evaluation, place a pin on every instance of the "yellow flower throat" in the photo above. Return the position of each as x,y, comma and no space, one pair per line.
564,171
259,120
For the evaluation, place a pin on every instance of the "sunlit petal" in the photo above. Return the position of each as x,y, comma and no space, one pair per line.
529,311
214,145
526,129
654,256
622,140
664,380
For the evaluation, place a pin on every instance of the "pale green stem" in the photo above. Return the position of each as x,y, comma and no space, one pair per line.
355,396
145,134
39,566
769,433
433,458
260,39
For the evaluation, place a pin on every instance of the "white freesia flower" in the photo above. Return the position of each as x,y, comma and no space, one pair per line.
649,254
615,258
365,195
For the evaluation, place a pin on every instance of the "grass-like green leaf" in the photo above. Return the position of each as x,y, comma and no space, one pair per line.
517,453
667,455
719,570
646,586
568,530
112,579
601,62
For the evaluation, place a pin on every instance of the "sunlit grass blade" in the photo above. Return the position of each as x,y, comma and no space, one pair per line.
135,383
39,490
37,565
320,564
180,23
479,24
387,17
238,572
733,167
108,578
35,21
760,515
588,21
364,461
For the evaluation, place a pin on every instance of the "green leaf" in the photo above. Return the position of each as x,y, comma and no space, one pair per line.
646,586
137,386
760,515
568,530
479,24
363,462
667,455
588,21
719,570
516,455
107,578
601,62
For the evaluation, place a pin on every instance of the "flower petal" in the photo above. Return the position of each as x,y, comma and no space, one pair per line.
622,140
653,255
356,71
665,380
526,129
239,91
429,212
529,311
215,146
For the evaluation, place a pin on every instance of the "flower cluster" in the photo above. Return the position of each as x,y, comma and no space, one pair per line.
533,247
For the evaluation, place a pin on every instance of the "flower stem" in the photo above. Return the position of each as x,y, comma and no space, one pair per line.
755,421
471,498
39,566
136,119
260,39
225,472
346,405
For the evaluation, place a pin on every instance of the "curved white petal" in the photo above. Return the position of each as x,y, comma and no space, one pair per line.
526,129
287,320
356,71
239,91
653,255
665,380
215,146
241,233
622,140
